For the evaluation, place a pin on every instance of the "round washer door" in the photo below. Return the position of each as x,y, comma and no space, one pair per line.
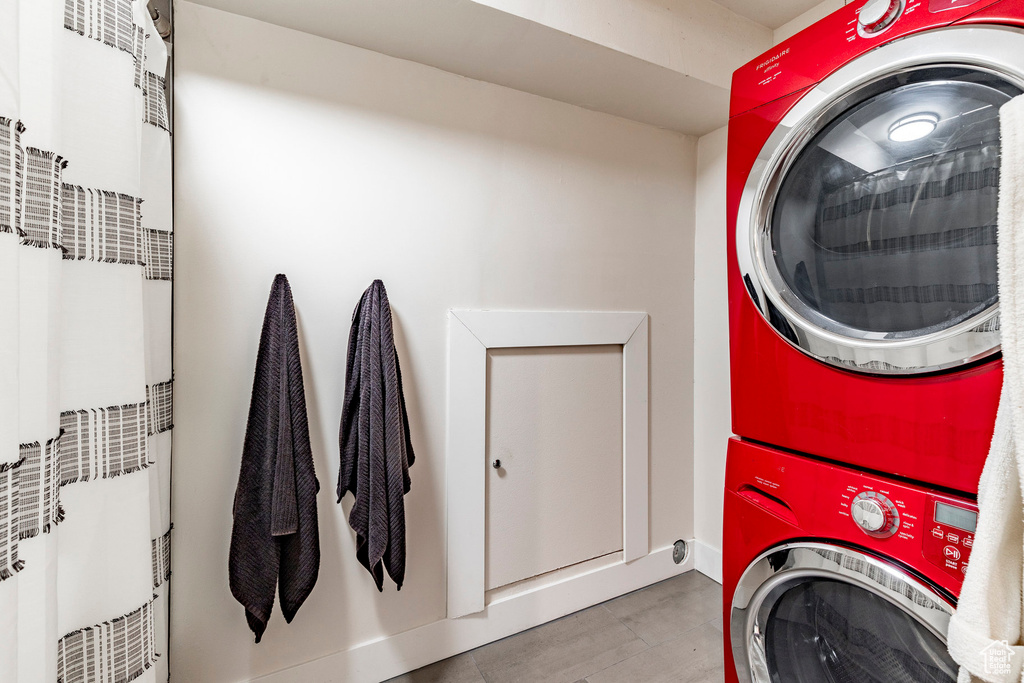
866,233
818,613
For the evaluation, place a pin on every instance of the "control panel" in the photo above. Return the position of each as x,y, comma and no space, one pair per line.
884,511
786,496
844,35
949,534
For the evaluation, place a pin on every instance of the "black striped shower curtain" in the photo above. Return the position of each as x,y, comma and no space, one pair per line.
85,342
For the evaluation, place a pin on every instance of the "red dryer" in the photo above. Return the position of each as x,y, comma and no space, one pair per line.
832,574
863,171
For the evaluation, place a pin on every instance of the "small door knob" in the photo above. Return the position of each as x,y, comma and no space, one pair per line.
496,464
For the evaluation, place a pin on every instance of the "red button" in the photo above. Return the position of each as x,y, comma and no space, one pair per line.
963,568
951,552
952,538
937,532
968,541
943,5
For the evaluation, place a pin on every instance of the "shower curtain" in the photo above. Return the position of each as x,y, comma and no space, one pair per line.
85,342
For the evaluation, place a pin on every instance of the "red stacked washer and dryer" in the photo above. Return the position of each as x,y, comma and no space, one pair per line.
863,170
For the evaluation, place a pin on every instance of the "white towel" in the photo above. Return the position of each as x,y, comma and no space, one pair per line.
985,633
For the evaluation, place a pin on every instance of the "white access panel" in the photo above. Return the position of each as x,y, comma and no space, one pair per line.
471,334
554,421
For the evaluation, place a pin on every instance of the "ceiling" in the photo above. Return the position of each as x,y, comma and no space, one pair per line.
667,63
770,13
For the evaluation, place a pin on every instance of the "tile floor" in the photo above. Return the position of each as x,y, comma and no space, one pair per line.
668,632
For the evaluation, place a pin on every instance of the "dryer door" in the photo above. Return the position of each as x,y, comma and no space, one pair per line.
867,230
817,613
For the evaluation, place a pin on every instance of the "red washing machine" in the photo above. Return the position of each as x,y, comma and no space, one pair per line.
863,170
834,575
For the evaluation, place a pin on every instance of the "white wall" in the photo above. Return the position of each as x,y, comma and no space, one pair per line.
337,165
816,13
711,416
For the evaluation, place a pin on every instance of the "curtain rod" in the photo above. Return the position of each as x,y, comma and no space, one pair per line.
162,23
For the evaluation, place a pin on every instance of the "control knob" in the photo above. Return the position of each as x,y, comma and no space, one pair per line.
875,514
877,15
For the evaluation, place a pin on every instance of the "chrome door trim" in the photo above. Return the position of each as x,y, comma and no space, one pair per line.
998,50
785,566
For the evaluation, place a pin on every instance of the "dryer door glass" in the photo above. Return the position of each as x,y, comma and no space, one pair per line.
826,631
884,225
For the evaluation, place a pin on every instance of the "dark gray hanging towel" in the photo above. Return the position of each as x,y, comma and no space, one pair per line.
275,538
376,450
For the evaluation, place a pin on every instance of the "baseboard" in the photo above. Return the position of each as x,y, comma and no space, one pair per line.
707,560
395,655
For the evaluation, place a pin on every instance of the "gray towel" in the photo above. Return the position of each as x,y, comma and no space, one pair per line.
275,538
376,450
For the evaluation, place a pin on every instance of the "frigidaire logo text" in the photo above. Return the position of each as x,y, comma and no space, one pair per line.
771,59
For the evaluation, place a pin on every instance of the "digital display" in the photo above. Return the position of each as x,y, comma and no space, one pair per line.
965,520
